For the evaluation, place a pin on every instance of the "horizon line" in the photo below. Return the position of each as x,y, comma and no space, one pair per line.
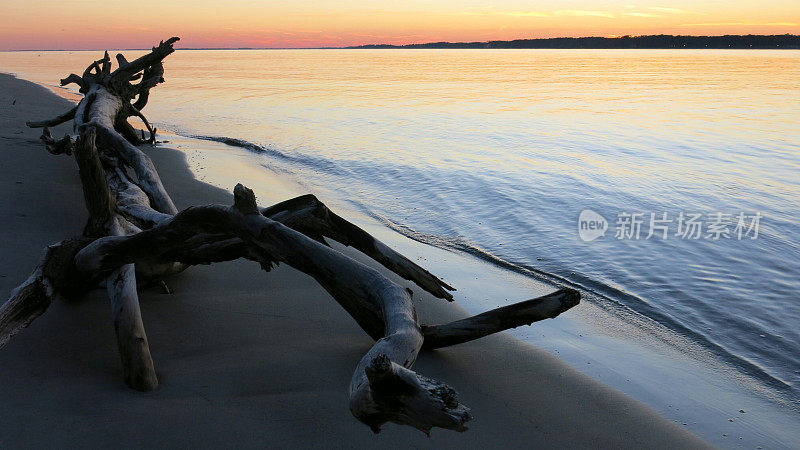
396,46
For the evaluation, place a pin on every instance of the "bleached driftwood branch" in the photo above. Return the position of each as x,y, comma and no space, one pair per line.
135,231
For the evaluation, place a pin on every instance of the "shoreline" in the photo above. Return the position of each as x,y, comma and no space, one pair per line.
238,365
590,338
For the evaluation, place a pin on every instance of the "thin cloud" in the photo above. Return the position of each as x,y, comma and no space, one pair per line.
582,13
527,14
741,24
559,13
670,10
639,14
685,12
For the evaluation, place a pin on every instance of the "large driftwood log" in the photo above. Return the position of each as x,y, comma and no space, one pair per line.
135,232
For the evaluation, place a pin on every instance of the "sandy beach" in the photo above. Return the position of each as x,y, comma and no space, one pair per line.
247,358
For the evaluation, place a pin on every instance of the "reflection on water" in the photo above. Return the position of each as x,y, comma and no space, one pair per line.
496,153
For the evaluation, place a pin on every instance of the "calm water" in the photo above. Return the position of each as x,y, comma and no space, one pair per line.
497,152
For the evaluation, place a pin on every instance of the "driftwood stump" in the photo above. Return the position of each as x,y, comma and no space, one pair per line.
135,233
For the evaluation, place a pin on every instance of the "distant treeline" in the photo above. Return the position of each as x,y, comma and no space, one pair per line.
782,41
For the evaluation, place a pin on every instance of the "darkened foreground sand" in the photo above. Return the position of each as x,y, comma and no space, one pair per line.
247,358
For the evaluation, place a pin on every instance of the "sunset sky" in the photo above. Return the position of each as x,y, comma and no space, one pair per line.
94,24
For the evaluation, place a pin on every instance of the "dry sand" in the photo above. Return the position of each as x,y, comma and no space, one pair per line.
248,358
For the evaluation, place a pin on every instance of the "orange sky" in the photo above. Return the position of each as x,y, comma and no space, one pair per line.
93,24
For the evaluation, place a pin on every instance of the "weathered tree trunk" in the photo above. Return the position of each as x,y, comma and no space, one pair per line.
135,231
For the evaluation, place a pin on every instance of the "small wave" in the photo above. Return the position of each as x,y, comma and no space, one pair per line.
241,143
315,163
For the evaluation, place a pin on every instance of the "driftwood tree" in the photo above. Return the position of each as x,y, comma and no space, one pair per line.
135,233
